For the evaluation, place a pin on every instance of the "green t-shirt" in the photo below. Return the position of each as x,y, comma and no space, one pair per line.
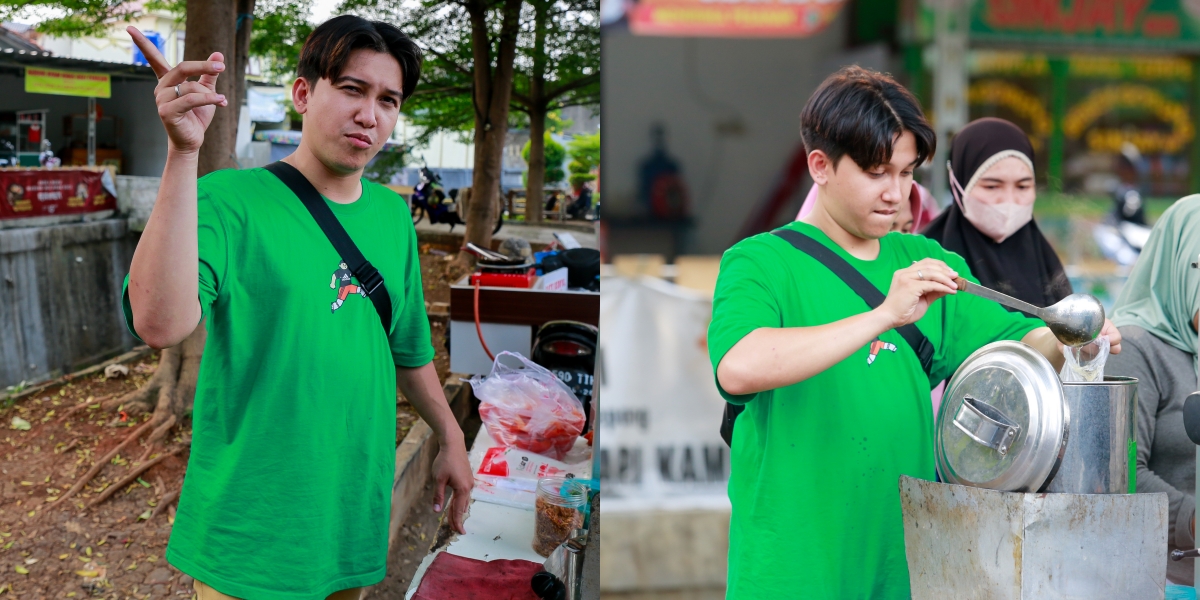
288,488
816,465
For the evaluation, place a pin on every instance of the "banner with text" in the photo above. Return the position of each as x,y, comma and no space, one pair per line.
36,193
661,414
731,18
67,83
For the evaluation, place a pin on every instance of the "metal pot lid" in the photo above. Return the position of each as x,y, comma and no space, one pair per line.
1003,422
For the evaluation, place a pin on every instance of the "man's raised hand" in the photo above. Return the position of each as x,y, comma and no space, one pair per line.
185,107
915,288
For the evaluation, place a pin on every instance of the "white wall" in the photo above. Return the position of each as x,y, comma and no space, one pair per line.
116,45
760,84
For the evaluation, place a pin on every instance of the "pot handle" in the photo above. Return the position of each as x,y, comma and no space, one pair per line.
986,425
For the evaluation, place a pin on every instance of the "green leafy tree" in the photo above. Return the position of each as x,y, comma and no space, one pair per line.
280,28
555,155
82,17
385,166
559,67
470,47
585,157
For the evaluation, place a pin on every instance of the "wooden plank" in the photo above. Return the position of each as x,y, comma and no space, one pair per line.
132,355
515,306
414,467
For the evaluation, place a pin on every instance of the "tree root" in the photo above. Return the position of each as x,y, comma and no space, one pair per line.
132,476
99,464
163,503
78,407
169,393
158,433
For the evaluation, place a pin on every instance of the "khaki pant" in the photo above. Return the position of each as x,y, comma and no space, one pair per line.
204,592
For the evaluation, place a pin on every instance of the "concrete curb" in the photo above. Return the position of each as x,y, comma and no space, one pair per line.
414,459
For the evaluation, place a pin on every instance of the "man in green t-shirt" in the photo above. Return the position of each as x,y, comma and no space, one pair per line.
288,487
837,404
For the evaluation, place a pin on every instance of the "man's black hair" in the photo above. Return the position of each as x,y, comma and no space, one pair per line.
329,46
860,113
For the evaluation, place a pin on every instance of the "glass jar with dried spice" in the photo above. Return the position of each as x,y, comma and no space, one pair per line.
558,511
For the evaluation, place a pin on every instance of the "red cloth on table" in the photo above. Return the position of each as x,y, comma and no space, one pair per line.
453,577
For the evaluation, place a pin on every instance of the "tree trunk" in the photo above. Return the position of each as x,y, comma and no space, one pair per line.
170,392
211,27
245,20
492,92
535,192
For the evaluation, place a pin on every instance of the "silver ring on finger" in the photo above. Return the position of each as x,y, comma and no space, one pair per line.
920,275
177,92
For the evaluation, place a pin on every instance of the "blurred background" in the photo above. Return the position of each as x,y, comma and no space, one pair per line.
702,103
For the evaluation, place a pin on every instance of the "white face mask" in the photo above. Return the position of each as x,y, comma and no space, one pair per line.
997,221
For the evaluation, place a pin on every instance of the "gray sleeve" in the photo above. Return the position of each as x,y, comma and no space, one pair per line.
1133,361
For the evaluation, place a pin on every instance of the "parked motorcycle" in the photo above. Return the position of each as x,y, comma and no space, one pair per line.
568,349
428,199
1124,233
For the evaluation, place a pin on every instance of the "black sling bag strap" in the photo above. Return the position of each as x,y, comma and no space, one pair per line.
855,281
368,276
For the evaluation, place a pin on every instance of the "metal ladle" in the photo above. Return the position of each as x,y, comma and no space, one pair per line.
1075,320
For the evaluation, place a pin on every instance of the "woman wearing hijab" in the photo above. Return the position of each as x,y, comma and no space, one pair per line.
1156,313
990,223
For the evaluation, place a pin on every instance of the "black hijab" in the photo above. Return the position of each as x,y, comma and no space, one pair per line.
1024,265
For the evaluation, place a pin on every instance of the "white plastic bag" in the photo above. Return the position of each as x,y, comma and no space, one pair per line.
508,476
528,408
1085,363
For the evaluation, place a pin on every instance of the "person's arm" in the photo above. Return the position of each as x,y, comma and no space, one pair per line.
421,388
163,277
769,358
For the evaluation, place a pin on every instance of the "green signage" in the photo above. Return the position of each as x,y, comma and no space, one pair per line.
1163,24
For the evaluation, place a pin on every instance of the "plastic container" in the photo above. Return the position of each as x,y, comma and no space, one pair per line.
558,511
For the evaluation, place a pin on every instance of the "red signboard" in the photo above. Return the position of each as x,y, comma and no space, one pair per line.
731,18
39,193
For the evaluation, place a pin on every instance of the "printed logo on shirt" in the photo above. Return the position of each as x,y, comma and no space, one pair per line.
343,282
876,346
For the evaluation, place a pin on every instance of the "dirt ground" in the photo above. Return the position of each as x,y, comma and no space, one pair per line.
115,550
417,536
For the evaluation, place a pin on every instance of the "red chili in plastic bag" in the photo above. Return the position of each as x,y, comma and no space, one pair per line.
529,408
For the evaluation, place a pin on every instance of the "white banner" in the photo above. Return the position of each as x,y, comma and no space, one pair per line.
660,416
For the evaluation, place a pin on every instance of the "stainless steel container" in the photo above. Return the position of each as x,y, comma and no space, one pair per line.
1007,423
965,542
1102,446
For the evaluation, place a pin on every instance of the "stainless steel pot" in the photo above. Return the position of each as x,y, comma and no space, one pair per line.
1007,423
1101,454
